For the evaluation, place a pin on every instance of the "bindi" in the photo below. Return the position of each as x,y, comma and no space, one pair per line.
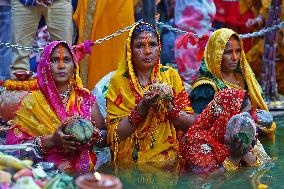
234,44
61,56
146,42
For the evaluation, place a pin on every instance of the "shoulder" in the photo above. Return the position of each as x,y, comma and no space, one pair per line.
205,91
205,83
117,78
28,99
170,73
168,69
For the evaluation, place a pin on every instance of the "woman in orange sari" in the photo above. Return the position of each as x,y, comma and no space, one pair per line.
142,124
43,112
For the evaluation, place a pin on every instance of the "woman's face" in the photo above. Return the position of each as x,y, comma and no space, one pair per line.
145,51
62,65
231,56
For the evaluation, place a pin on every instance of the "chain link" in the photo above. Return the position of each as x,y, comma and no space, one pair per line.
163,25
9,45
263,31
248,35
117,33
176,29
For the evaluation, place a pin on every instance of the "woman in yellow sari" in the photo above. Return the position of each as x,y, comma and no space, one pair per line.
142,125
225,66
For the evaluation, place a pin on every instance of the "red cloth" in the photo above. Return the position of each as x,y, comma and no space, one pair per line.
228,12
205,148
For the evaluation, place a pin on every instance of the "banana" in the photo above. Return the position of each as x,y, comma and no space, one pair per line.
10,161
3,167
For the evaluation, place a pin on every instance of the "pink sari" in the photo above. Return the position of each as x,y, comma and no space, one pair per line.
41,112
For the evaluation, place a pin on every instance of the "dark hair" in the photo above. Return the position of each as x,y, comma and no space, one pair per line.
64,45
142,27
235,37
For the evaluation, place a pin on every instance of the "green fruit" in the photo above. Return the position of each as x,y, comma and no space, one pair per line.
82,129
245,138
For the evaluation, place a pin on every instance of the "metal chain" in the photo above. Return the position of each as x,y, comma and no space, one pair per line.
119,32
263,31
176,29
248,35
20,47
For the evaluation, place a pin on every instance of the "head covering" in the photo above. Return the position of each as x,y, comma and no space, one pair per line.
155,134
48,87
205,138
126,67
210,70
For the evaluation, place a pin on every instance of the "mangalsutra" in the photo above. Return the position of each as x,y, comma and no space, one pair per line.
65,94
238,82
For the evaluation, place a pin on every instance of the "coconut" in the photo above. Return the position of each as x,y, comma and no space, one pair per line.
81,128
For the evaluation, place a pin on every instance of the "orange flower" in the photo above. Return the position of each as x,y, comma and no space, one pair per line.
21,85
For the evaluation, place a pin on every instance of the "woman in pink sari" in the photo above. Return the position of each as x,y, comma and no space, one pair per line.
43,112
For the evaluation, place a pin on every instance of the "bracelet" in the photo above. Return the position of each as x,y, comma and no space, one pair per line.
134,118
38,146
257,163
101,137
174,114
229,166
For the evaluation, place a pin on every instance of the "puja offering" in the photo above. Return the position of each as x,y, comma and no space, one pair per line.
241,127
82,129
264,118
98,181
162,88
23,75
9,103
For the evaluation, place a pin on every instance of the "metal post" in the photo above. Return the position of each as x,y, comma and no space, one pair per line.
149,11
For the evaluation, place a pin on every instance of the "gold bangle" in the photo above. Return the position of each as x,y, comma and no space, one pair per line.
229,166
257,163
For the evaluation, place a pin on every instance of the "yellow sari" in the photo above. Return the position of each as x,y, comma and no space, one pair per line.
97,19
211,70
155,139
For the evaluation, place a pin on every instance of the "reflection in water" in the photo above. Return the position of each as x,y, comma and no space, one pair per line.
173,175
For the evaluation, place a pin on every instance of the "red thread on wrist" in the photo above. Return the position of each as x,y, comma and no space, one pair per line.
174,114
134,117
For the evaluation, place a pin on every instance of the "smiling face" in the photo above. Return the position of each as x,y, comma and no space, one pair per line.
231,56
62,65
145,51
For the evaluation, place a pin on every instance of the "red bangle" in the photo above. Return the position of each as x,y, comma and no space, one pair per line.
134,118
